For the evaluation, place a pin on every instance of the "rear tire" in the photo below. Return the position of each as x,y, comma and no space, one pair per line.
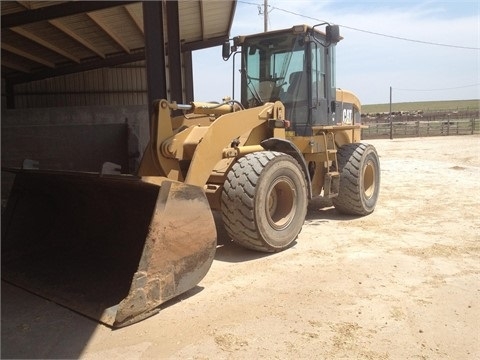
264,201
359,169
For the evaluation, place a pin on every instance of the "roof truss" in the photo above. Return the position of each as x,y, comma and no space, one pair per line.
42,39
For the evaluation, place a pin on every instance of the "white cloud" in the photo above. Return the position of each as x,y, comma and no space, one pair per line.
369,64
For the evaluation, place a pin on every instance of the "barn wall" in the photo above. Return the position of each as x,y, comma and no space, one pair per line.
60,137
4,99
122,85
77,138
77,121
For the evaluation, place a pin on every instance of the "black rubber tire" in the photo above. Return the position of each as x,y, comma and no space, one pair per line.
359,187
264,201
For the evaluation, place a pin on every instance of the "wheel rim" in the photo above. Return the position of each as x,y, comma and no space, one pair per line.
281,203
369,175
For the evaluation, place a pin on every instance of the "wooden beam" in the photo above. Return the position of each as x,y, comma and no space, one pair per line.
19,52
25,4
15,66
97,19
62,27
135,19
44,43
76,68
57,11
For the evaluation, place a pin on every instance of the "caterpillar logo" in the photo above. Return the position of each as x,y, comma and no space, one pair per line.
347,116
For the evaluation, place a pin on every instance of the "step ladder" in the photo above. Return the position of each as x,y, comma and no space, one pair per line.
331,181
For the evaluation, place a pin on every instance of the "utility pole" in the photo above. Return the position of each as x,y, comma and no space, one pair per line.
265,15
390,115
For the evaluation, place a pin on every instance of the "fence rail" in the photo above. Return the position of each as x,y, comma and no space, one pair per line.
383,128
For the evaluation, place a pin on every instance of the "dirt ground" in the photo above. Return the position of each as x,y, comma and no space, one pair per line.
402,283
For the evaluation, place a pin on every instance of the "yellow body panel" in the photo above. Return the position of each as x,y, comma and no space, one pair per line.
210,142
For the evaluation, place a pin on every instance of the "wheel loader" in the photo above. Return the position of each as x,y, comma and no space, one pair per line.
116,246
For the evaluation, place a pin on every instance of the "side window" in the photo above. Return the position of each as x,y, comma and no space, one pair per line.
318,74
295,78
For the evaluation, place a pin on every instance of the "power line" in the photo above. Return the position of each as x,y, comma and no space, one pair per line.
366,31
411,40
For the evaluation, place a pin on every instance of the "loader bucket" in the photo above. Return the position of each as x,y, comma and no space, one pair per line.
112,248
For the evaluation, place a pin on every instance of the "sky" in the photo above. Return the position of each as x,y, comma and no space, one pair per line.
367,63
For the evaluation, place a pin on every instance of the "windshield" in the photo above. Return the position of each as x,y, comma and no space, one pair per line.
273,70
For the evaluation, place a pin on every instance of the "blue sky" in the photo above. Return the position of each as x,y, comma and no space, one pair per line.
369,64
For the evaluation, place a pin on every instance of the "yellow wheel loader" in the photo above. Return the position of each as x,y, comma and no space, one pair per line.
115,247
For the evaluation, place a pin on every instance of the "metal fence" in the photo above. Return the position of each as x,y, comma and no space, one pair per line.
408,125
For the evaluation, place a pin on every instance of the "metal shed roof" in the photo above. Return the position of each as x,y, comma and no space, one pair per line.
42,39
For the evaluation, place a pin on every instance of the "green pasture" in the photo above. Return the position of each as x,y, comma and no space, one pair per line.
425,106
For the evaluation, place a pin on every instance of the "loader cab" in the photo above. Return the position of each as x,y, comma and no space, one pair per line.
295,66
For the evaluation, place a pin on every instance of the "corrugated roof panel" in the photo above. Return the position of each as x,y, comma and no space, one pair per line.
56,38
81,37
215,17
10,7
204,20
24,44
84,27
120,23
190,15
135,11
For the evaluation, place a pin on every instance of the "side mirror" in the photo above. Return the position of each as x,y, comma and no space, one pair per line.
226,50
333,34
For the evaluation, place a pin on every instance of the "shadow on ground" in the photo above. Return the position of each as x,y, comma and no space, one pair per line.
319,210
35,328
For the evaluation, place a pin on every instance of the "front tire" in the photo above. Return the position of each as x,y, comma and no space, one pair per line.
359,187
264,201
